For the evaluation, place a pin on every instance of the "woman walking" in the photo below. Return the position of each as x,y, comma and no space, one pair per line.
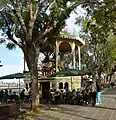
98,85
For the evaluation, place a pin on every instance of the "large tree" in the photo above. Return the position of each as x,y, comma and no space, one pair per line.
98,29
29,24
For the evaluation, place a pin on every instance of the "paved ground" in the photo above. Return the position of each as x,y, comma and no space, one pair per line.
105,111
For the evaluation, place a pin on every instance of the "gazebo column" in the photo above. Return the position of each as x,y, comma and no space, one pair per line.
73,54
57,54
79,56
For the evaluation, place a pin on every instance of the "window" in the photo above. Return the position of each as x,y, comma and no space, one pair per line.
60,85
66,85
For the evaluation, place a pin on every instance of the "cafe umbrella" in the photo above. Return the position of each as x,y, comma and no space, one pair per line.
13,76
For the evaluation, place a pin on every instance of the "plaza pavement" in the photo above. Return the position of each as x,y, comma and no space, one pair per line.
105,111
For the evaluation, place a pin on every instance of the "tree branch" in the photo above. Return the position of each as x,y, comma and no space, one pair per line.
20,19
55,28
36,12
40,38
10,36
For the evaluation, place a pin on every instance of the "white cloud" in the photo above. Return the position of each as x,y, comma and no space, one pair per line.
71,21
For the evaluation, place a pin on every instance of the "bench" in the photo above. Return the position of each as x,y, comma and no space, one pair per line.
10,111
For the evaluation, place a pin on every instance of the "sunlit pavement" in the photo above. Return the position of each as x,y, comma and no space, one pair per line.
105,111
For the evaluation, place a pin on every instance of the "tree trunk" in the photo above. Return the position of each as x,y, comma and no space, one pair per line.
110,77
34,90
31,56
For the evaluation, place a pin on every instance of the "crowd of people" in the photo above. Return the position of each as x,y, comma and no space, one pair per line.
8,96
90,95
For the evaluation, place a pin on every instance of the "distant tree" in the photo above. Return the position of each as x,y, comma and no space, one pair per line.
98,29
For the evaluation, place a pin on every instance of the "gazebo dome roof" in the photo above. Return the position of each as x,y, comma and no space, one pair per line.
64,47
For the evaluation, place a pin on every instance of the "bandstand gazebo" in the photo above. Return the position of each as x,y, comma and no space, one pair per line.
62,54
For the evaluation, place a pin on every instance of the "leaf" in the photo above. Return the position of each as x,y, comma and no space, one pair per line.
3,3
2,40
99,31
10,46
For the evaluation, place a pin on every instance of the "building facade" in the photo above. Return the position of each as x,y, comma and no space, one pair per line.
64,53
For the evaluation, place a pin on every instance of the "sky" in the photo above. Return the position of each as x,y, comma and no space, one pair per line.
12,60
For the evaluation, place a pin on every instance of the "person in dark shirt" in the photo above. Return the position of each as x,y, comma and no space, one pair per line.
98,86
48,97
22,95
93,93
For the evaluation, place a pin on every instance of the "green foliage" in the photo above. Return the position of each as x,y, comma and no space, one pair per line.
3,3
2,40
112,42
10,46
65,33
99,29
16,17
